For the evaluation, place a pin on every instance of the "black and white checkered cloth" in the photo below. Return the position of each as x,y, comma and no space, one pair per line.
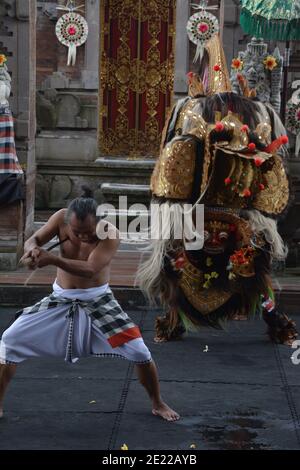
104,311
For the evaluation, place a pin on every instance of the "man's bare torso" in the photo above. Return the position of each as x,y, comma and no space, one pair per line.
76,250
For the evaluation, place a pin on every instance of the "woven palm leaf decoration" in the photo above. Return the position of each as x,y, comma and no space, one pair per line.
201,27
71,30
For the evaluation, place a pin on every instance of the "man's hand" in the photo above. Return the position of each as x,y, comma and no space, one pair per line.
27,260
42,257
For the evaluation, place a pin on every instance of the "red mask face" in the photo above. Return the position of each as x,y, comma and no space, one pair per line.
216,235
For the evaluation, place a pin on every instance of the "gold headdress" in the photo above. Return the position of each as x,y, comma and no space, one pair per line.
240,167
218,75
215,76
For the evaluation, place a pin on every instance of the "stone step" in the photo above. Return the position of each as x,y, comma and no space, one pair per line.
123,163
125,189
135,193
67,161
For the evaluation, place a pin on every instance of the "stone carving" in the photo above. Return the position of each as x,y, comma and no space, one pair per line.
69,112
60,191
49,9
263,71
8,8
5,85
293,115
15,9
54,192
56,80
46,114
42,192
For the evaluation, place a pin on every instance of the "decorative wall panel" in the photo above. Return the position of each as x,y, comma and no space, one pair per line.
136,75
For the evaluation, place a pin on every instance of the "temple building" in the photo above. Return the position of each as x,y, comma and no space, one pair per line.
96,125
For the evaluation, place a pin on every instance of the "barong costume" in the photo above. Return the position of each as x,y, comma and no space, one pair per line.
74,323
221,150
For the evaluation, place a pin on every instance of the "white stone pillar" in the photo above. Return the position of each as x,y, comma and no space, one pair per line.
90,74
181,48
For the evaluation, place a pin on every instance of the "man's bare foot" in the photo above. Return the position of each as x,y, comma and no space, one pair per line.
165,412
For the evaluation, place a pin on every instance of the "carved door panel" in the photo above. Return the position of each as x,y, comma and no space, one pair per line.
136,74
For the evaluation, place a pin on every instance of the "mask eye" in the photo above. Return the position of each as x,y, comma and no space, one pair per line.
223,236
206,235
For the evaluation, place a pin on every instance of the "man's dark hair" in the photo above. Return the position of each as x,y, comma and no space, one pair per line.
82,207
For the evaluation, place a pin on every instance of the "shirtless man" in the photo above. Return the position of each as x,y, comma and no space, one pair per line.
95,324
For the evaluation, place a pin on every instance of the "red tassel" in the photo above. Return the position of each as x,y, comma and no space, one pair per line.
276,144
219,126
247,192
252,146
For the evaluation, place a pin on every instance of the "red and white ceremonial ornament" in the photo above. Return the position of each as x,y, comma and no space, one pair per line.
201,27
268,304
72,31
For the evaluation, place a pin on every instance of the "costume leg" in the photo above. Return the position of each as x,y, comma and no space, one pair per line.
281,329
169,327
7,371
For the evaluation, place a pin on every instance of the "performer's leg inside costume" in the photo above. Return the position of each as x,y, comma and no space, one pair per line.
281,329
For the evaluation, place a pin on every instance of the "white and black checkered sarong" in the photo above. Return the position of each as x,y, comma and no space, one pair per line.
74,323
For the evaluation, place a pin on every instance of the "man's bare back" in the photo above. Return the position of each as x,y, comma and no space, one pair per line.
84,260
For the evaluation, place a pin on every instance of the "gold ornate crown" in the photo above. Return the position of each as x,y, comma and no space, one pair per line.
217,78
218,75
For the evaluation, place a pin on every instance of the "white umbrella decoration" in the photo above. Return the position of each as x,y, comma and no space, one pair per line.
71,30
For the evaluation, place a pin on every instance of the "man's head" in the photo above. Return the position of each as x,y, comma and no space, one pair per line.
82,219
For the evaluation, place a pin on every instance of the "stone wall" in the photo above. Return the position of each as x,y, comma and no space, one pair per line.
17,41
67,99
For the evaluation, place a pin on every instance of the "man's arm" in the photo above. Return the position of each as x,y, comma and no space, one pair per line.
100,257
44,234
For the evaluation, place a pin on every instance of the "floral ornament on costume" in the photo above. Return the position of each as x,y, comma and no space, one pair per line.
270,62
3,59
209,277
241,263
72,31
237,64
201,27
178,263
